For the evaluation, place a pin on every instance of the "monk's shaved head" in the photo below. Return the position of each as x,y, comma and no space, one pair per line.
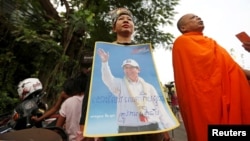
180,23
190,23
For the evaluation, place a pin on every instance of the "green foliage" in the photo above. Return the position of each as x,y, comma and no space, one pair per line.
7,103
37,41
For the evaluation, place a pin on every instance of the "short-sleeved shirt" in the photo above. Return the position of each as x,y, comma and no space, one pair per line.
71,110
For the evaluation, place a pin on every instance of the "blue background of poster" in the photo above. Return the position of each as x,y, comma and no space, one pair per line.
101,116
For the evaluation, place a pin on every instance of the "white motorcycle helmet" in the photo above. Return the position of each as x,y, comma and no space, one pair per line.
28,86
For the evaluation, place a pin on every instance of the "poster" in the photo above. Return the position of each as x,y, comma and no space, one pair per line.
125,95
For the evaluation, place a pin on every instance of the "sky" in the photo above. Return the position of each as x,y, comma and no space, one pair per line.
222,18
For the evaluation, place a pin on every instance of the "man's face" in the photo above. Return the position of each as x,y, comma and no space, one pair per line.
191,23
124,24
131,72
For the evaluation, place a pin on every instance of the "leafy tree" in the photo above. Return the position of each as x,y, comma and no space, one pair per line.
38,41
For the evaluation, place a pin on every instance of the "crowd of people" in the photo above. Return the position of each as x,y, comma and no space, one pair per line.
212,88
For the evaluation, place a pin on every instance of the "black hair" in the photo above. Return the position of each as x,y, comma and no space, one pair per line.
68,86
74,86
81,81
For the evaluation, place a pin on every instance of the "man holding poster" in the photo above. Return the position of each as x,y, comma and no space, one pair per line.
99,113
139,107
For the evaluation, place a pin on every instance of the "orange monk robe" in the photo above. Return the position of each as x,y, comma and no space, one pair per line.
212,88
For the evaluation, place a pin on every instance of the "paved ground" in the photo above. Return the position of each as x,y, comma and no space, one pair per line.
178,134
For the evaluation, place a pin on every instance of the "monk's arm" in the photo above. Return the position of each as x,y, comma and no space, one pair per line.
247,72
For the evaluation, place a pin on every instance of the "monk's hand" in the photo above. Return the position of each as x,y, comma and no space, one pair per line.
247,73
246,46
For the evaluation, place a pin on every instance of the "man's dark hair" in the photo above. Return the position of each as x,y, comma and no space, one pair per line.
77,85
68,86
81,81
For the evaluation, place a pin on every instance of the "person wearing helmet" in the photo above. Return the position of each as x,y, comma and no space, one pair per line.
123,26
28,87
29,91
62,97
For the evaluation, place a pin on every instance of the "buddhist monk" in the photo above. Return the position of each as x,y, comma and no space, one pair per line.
212,88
